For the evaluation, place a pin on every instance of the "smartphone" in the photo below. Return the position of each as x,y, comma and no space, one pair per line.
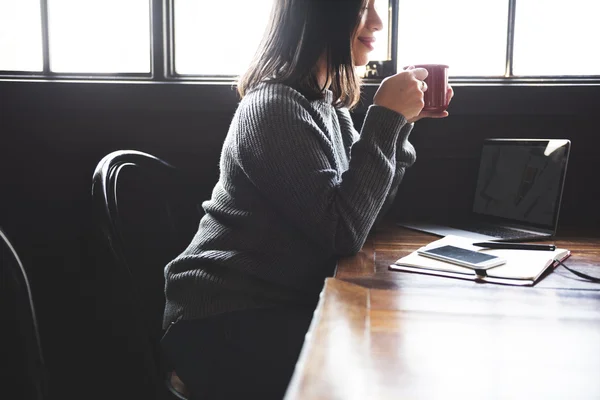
464,257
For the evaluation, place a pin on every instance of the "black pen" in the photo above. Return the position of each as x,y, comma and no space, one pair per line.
516,246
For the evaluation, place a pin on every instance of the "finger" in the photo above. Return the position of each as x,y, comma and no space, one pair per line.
420,73
423,86
450,94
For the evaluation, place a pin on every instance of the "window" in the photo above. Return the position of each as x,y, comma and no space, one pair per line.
468,35
382,50
554,38
108,36
382,57
509,40
205,44
21,36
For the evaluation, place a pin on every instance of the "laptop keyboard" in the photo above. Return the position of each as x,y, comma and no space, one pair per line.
499,231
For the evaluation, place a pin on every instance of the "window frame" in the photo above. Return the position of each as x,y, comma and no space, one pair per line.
162,57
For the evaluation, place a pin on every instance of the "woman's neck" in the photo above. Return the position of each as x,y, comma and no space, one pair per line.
322,76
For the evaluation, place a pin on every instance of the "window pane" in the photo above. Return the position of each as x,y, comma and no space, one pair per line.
21,35
468,35
103,36
218,37
381,47
557,38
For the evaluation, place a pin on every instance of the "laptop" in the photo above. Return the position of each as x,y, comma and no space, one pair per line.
517,194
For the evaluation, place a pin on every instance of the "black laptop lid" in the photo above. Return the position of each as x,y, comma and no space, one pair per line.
521,181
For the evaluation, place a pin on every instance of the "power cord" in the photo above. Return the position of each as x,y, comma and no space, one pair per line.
579,274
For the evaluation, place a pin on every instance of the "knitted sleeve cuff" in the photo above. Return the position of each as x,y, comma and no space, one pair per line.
383,126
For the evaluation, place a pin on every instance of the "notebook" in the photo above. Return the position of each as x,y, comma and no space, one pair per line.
517,193
522,267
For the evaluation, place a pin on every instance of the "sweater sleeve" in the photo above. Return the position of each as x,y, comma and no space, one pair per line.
405,157
285,154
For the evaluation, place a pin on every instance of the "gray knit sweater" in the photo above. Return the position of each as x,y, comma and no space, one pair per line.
298,188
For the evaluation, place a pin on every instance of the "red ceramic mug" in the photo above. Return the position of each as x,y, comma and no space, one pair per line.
436,95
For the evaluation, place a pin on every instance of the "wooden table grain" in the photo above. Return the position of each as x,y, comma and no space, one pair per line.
381,334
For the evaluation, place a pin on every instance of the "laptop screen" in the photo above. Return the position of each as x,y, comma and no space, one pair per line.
521,180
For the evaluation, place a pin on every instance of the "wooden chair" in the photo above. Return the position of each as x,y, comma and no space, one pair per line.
22,362
147,211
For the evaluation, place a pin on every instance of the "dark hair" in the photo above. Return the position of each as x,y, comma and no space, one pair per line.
299,32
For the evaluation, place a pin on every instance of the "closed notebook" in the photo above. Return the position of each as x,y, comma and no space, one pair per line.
522,267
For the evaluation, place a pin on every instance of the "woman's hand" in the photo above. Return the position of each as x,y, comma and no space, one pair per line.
403,93
434,114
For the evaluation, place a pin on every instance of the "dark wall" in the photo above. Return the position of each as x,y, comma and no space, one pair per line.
54,133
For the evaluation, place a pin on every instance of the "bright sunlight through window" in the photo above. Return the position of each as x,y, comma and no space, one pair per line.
557,38
21,35
382,45
108,36
206,43
468,35
218,37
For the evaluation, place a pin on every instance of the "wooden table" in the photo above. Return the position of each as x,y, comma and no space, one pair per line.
380,334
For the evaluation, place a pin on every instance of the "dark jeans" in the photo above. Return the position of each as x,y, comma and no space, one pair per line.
244,354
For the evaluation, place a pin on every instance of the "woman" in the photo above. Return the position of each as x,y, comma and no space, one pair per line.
298,188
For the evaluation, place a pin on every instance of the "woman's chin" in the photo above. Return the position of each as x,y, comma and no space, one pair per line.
361,61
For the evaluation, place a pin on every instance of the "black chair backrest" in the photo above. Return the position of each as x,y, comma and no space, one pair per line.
22,363
148,211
